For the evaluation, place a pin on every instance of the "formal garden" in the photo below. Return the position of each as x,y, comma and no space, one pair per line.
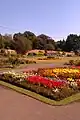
59,82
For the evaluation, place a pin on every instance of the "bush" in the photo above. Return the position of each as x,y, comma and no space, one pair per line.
77,62
31,54
69,55
29,62
14,60
71,62
48,58
40,53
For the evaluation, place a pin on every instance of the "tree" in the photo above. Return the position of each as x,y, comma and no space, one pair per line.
21,43
1,42
40,44
49,47
32,37
44,40
72,42
7,38
60,45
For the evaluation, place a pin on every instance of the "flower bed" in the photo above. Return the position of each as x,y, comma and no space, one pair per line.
49,58
60,72
53,83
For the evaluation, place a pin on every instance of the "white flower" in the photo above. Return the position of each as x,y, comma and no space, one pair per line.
56,90
73,84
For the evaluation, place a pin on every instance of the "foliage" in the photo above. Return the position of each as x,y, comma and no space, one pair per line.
22,42
32,54
72,43
49,47
12,62
73,62
40,53
45,42
18,61
48,58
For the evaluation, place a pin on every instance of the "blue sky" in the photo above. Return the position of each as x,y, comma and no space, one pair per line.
56,18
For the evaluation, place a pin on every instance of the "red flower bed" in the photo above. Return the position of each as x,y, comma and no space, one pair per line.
46,82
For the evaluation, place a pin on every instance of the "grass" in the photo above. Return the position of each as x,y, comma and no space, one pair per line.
43,99
62,60
56,62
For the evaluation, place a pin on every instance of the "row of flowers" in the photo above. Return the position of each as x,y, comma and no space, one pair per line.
46,82
66,74
55,77
60,72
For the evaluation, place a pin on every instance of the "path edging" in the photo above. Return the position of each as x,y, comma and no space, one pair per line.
41,98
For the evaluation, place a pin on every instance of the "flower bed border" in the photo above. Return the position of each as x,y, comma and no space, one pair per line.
43,99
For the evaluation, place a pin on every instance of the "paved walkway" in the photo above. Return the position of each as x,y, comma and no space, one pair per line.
15,106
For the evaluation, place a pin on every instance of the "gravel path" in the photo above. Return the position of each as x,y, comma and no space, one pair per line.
33,66
15,106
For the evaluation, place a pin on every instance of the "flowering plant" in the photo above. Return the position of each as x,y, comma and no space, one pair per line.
46,82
